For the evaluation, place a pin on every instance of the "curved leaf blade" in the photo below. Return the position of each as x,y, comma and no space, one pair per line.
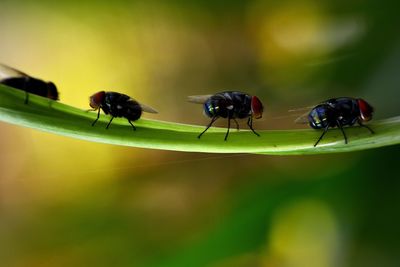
58,118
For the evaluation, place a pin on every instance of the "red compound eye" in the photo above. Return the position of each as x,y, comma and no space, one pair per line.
366,110
97,99
256,107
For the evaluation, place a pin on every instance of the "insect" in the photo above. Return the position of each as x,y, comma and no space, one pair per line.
338,112
19,80
231,105
118,105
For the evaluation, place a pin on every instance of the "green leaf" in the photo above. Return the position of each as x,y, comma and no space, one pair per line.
49,116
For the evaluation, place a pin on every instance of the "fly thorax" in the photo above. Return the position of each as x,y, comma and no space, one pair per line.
108,105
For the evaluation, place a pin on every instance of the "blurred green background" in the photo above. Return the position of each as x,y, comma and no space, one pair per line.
66,202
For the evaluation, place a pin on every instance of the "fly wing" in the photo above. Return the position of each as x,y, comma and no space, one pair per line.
9,72
303,119
301,115
301,109
198,99
148,109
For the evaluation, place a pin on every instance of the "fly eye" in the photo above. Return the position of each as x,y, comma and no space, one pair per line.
366,110
96,99
93,103
256,107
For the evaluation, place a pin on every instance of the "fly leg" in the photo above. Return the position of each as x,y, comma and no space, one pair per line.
250,124
341,128
134,128
98,116
365,126
229,126
322,135
208,126
109,122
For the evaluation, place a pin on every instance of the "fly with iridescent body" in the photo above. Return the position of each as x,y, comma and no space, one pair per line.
338,112
118,105
230,105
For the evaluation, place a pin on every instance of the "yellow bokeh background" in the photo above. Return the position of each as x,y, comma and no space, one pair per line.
70,202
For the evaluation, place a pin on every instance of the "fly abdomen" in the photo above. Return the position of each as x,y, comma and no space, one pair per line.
210,109
216,107
320,117
18,83
31,85
133,111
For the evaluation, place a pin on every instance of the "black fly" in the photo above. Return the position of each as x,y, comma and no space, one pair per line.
231,105
339,112
22,81
118,105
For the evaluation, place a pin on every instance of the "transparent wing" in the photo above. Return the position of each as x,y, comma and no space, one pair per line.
301,109
303,119
301,114
8,72
148,109
198,99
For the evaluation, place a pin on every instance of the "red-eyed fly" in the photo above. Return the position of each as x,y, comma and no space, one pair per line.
231,105
338,112
22,81
118,105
